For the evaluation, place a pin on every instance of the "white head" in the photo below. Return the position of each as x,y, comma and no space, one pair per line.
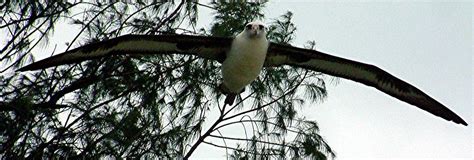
255,29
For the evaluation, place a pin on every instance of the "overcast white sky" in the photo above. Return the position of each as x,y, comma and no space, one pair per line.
427,44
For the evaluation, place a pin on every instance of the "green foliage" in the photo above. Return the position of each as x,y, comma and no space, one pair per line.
282,30
231,17
26,25
152,106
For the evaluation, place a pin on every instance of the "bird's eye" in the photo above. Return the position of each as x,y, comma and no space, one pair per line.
248,27
261,27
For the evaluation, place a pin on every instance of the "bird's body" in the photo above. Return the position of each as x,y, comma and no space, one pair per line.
244,61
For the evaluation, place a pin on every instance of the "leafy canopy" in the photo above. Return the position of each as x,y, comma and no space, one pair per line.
155,106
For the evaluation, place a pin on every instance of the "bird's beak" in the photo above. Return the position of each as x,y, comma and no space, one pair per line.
255,28
255,31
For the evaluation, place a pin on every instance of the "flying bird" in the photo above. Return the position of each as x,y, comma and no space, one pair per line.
242,58
244,61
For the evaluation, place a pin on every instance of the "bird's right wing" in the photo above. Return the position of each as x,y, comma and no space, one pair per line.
203,46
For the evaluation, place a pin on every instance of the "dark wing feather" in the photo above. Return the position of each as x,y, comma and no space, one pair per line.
207,47
360,72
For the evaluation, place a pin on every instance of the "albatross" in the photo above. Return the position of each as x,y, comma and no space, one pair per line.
244,61
244,56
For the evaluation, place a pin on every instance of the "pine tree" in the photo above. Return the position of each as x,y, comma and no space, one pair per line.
150,106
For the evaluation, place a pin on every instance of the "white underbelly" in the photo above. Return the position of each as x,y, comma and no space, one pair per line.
242,66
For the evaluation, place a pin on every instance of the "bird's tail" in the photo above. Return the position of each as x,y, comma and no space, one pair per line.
229,99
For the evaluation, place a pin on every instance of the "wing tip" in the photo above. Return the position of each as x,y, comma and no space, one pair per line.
25,68
452,116
460,121
33,66
456,119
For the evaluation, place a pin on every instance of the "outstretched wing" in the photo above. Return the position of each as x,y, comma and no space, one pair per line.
206,47
360,72
215,47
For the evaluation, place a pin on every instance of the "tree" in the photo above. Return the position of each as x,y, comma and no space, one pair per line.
148,106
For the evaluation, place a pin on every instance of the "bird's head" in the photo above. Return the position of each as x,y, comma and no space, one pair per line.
255,30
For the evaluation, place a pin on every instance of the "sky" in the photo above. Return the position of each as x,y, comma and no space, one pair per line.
428,45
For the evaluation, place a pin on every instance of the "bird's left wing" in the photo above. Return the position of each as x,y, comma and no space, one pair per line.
203,46
359,72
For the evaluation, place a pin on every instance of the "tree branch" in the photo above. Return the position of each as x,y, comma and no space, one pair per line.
244,139
201,138
260,107
240,150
